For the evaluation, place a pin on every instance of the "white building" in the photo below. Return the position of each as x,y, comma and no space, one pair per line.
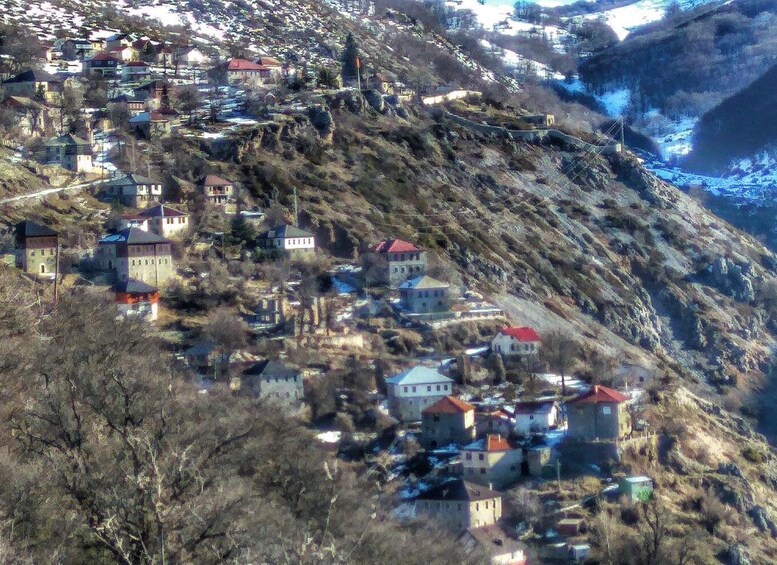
161,219
415,389
535,417
288,238
516,342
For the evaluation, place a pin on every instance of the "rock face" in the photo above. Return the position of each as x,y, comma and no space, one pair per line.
762,520
322,120
736,280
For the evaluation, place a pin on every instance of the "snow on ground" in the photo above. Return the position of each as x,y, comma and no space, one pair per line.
329,437
624,19
513,60
616,102
572,383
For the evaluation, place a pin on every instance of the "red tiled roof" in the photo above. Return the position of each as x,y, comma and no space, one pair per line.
600,395
268,62
497,443
104,57
524,334
213,180
394,246
137,64
449,405
244,65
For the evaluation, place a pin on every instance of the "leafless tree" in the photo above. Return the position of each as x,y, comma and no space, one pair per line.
560,352
228,333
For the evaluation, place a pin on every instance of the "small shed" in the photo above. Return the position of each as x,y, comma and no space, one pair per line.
579,552
570,527
636,488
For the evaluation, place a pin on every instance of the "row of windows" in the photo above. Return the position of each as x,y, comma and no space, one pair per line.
524,347
410,257
409,269
42,252
481,457
428,388
175,220
140,262
285,379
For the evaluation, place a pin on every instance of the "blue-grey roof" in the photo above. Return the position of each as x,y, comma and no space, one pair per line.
132,235
419,376
285,232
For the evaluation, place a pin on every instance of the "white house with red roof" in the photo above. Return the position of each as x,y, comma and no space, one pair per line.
493,461
516,342
400,260
249,73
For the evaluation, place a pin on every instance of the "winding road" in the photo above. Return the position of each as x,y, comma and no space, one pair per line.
48,191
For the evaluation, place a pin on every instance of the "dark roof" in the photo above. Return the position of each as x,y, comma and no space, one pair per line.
29,228
459,489
161,210
285,231
131,180
270,369
32,75
68,139
132,286
494,541
132,236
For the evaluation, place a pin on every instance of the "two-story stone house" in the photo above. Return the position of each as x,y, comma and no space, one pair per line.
599,414
216,190
70,152
494,461
133,190
400,261
415,389
34,84
288,239
36,248
424,295
136,254
274,381
447,421
458,505
516,342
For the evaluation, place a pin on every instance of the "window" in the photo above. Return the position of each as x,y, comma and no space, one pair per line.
429,388
477,507
413,389
469,457
486,504
481,457
405,389
445,387
436,418
438,388
483,472
606,410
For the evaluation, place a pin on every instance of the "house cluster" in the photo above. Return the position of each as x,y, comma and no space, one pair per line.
403,268
493,447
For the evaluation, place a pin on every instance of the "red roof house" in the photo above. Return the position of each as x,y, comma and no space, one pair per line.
400,260
449,405
447,421
516,342
394,246
600,395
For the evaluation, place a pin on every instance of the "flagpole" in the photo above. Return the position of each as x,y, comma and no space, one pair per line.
359,73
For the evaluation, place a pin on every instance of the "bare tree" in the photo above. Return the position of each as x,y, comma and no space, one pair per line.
228,333
189,99
560,352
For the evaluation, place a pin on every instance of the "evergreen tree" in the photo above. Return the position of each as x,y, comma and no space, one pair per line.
350,55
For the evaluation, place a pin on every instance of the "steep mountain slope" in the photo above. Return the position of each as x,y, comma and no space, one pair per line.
741,126
687,64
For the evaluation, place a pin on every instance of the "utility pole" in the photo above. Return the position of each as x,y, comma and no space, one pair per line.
296,209
359,73
56,273
623,145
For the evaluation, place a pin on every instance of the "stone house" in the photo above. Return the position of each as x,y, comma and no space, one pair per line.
288,239
75,49
516,342
424,294
541,120
494,461
398,260
133,104
415,389
274,381
160,219
599,414
136,254
36,248
34,84
498,547
133,190
136,298
216,190
70,152
447,421
458,505
135,71
494,422
151,125
537,416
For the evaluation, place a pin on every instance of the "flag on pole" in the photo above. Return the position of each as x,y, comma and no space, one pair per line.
358,63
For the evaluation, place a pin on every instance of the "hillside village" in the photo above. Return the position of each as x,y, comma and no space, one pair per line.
479,420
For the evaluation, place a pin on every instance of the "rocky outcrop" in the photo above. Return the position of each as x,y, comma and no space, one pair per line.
734,279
